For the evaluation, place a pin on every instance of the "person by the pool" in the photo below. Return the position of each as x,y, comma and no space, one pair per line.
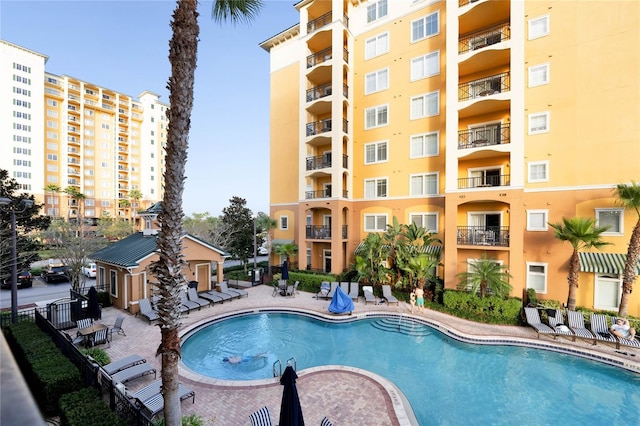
237,359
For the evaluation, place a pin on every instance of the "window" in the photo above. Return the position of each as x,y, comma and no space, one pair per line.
613,218
538,27
113,283
376,81
425,145
426,105
425,66
537,276
376,10
105,203
284,222
52,124
375,152
538,75
428,221
376,46
52,102
52,157
425,184
538,123
375,222
376,117
375,188
425,27
607,291
537,220
538,171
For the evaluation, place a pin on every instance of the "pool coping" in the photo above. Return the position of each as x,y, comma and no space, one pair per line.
398,401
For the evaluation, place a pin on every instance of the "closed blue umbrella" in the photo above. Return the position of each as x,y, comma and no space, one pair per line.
290,409
285,270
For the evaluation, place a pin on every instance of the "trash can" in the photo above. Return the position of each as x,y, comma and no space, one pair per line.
193,284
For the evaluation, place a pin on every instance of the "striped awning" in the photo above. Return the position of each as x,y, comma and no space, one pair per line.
434,251
603,263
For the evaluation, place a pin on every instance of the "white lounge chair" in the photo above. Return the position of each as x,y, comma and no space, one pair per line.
354,290
600,329
367,290
533,319
334,285
556,322
627,342
151,400
386,294
261,417
576,324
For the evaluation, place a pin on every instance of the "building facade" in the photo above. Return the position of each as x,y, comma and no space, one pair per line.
63,132
482,121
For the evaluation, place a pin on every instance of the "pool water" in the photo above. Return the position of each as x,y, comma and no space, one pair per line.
447,382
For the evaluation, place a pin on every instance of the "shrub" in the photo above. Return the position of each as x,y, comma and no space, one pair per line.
86,407
191,420
47,371
97,354
490,309
532,297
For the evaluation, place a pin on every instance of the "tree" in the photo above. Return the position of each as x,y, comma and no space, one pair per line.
421,268
239,219
78,198
208,228
52,188
370,264
582,234
288,250
267,225
483,274
28,223
113,228
629,197
168,269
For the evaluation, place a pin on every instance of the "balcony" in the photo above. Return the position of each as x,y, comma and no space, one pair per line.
496,236
493,134
320,22
486,181
484,87
323,161
322,193
318,127
318,232
484,38
319,57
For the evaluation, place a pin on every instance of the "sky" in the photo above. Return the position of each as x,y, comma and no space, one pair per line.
124,45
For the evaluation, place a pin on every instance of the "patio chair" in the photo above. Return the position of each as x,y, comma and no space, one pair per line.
184,300
367,290
627,342
100,337
600,329
211,297
146,310
228,295
386,294
289,290
324,290
117,327
84,323
334,285
133,372
192,294
261,417
150,398
533,319
326,422
224,287
556,322
345,287
74,340
122,363
576,324
354,290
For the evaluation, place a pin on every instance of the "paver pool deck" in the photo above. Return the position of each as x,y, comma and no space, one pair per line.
347,396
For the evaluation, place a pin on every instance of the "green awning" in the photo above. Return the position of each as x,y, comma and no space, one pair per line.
604,263
434,251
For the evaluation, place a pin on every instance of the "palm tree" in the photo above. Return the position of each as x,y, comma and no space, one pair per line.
583,234
485,273
134,196
629,197
288,250
267,224
420,268
370,264
183,48
52,188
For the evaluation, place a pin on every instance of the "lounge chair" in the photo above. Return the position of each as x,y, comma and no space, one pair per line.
576,324
151,400
122,363
600,329
147,311
627,342
345,287
261,417
117,327
533,319
386,294
231,294
224,287
354,290
367,290
192,294
326,422
334,285
133,372
188,303
223,296
324,290
556,322
211,297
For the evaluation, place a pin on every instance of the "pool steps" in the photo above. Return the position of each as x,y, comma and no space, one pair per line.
402,326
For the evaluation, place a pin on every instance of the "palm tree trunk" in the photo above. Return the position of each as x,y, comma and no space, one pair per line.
572,278
168,269
629,274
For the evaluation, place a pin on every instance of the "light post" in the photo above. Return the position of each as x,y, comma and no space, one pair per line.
7,206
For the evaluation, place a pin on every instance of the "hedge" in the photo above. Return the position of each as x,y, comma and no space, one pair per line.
490,309
47,371
86,407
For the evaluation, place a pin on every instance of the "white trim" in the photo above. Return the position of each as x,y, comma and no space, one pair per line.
531,69
377,160
376,216
423,214
621,221
544,274
545,227
597,291
547,127
534,20
535,163
424,138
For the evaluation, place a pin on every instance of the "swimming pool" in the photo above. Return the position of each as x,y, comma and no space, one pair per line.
446,381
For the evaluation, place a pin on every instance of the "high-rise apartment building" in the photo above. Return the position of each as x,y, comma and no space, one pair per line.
482,121
62,132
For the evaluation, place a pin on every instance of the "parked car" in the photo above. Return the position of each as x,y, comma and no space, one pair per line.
25,279
55,272
89,270
263,251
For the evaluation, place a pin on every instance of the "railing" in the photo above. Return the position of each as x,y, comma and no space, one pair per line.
319,22
465,2
318,232
345,126
497,236
318,162
484,181
494,134
484,86
319,57
345,231
319,92
345,56
322,193
317,127
485,37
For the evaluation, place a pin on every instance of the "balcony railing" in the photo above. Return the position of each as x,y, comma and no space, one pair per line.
322,162
319,92
497,236
493,134
323,232
319,57
322,193
319,22
484,181
484,87
317,127
485,37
